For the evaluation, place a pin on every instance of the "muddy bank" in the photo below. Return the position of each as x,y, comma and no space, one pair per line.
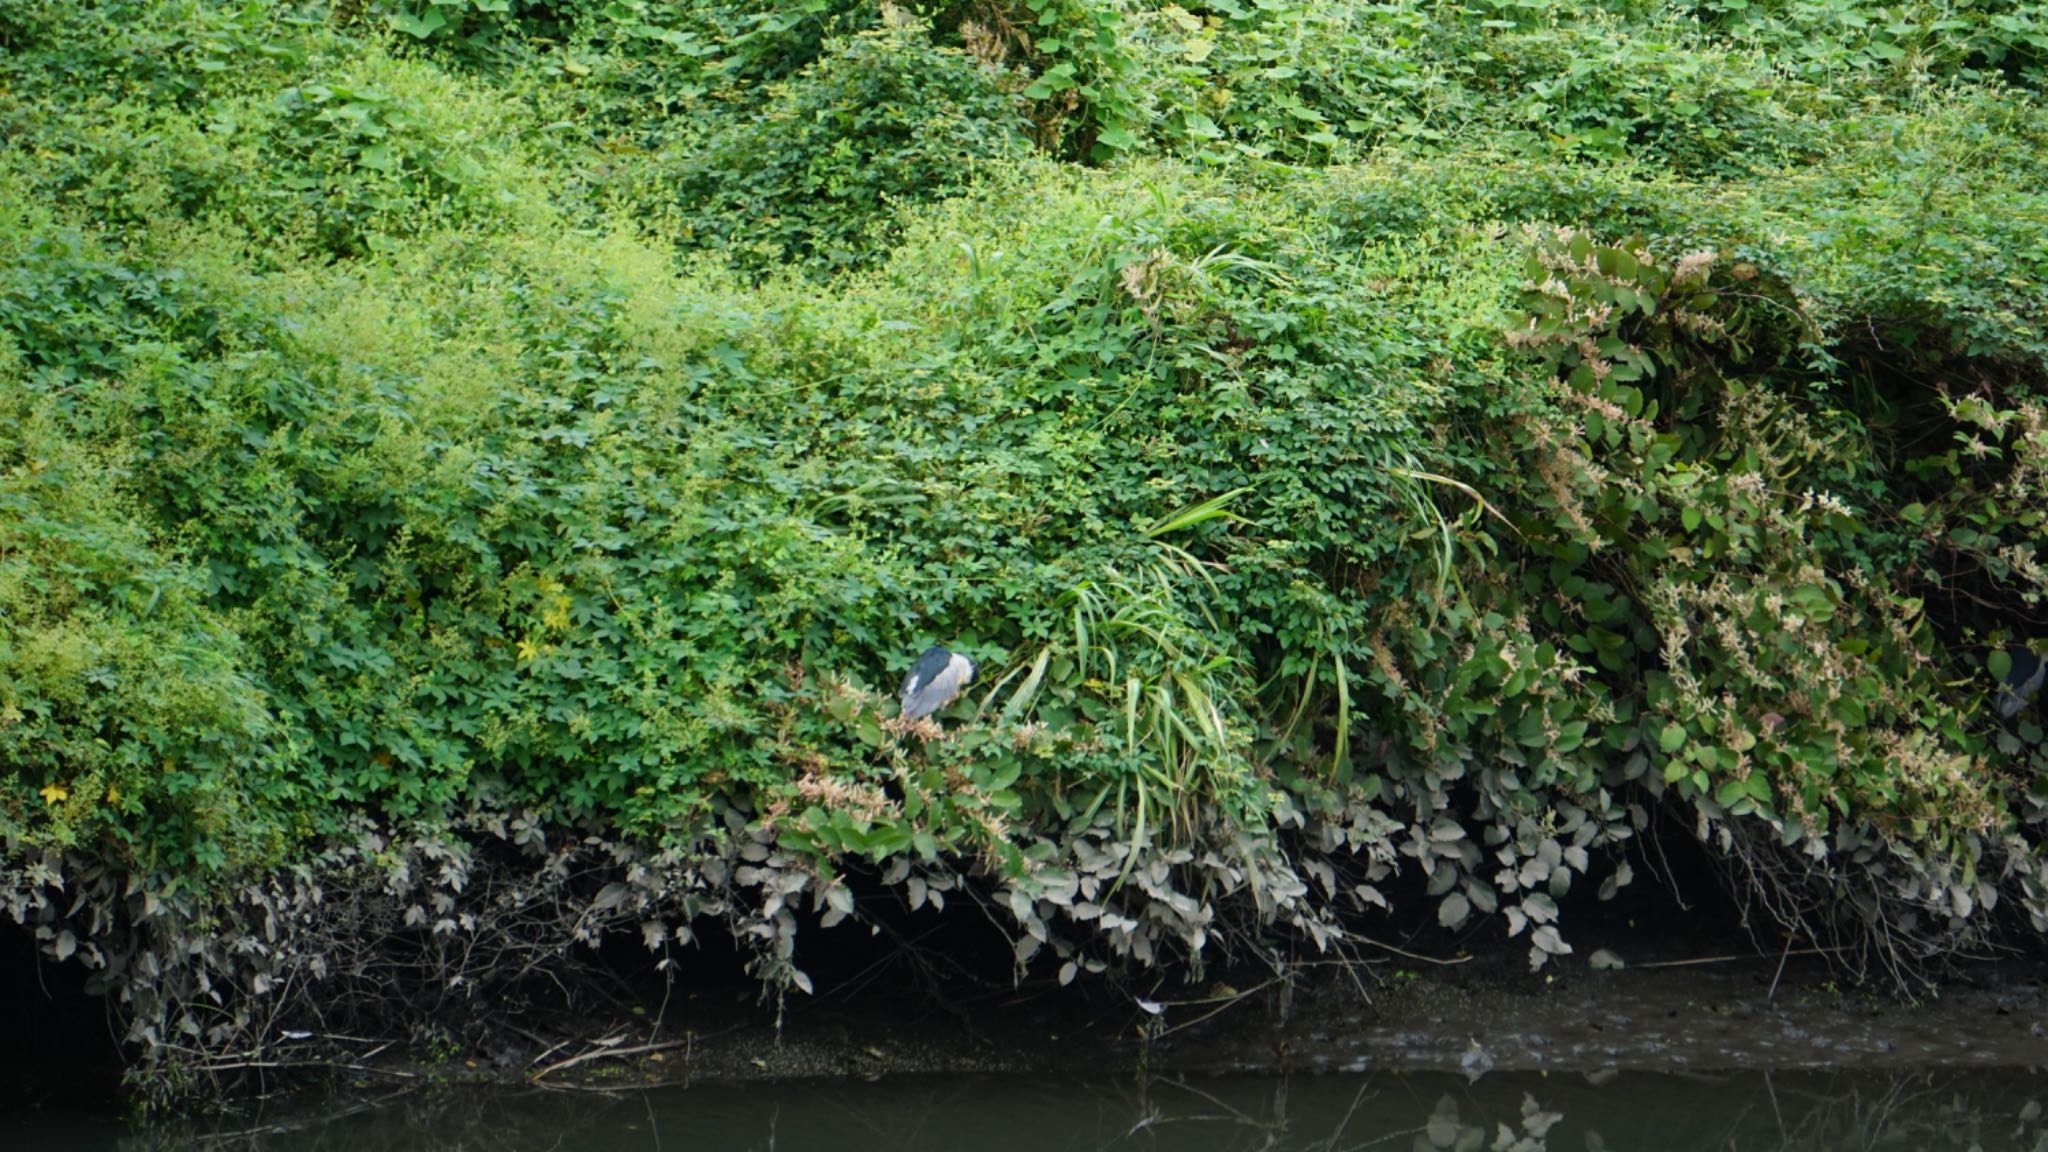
1954,1110
1482,1029
1473,1018
1709,1017
941,1003
545,976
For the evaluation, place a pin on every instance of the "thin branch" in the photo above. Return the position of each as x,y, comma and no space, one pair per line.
602,1053
1699,960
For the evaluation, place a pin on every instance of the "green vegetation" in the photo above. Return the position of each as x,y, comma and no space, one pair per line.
1354,440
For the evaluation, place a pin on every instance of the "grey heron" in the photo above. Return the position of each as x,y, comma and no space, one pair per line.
936,678
2022,681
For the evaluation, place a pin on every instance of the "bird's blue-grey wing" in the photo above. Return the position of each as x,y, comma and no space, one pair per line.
930,664
2021,683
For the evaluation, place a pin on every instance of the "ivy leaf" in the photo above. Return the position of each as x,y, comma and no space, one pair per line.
1118,137
1671,739
419,25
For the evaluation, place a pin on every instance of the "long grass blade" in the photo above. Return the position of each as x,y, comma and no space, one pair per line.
1342,745
1020,700
1215,507
1460,485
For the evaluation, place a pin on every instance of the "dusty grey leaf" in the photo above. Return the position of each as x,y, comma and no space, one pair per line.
1560,882
840,898
1535,1121
1482,896
1323,873
1443,1128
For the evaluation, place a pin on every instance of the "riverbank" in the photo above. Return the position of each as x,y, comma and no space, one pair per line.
472,479
1935,1110
1687,1016
1708,1015
1482,1021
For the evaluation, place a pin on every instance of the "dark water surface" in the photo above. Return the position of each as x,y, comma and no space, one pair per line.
1959,1109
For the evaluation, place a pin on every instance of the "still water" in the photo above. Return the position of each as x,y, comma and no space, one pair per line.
1948,1109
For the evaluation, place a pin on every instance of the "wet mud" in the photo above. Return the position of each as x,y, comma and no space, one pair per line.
1746,1015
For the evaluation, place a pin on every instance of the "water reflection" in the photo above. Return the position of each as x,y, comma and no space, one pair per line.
1947,1109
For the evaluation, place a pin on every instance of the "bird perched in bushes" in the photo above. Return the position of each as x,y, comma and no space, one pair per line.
2022,682
936,678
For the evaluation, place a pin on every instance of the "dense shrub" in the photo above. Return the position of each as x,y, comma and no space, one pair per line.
327,164
381,456
814,177
130,722
1317,83
1893,44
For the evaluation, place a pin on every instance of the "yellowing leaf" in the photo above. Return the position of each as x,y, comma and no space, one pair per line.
54,793
557,615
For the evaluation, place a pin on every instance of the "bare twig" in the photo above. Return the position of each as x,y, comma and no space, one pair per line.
600,1053
1699,960
1415,956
